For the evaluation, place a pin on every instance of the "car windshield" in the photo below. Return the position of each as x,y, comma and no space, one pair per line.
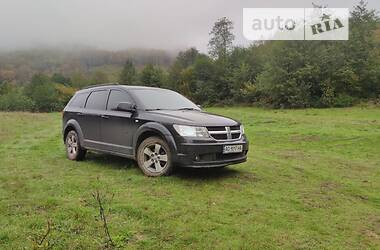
156,99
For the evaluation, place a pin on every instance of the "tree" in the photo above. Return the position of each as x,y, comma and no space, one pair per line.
5,87
15,100
186,58
288,75
220,44
205,77
100,77
152,76
128,74
183,61
64,94
364,57
79,80
220,48
43,93
59,78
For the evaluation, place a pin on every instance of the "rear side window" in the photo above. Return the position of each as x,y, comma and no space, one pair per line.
97,100
115,98
79,100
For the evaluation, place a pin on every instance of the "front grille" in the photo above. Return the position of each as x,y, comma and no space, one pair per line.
218,128
235,127
225,133
219,136
235,136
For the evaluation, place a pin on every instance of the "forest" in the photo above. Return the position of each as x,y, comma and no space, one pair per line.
275,74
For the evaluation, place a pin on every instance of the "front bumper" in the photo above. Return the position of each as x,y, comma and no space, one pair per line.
208,154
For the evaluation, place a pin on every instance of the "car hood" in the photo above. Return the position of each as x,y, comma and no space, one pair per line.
189,117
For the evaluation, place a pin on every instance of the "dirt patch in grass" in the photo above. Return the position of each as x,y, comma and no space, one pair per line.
372,230
291,154
327,186
323,197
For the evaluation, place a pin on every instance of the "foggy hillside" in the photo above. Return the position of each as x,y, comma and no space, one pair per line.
20,65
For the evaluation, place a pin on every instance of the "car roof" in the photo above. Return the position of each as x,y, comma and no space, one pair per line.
115,86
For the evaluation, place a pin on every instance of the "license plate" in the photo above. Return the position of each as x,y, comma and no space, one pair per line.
228,149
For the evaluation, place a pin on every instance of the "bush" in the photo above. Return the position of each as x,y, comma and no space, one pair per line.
64,95
43,93
15,100
344,101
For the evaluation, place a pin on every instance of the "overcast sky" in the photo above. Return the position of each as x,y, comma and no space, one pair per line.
121,24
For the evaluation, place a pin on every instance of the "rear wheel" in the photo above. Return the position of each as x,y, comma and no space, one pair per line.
154,157
74,151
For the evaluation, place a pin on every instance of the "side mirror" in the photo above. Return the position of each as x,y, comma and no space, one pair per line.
126,106
199,106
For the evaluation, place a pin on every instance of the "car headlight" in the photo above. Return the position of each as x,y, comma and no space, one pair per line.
242,129
191,131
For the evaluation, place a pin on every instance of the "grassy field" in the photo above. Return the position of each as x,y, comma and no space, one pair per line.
312,181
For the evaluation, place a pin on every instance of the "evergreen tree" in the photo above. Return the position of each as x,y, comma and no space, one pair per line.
152,76
363,49
128,74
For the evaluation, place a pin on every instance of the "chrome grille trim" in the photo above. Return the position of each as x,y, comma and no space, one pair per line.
217,132
226,131
229,136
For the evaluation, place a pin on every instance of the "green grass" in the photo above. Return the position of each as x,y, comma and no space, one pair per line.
312,181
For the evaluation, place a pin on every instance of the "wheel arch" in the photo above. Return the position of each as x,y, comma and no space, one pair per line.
73,125
153,129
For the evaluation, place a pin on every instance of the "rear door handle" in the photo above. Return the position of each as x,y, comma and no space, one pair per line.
80,114
105,116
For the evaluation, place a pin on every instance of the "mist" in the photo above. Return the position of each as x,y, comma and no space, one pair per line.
123,24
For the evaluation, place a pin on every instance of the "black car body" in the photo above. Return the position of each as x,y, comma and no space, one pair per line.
116,119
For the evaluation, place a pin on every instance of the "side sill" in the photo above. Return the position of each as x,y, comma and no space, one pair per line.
111,152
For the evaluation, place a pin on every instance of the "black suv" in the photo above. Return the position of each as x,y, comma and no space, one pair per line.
158,128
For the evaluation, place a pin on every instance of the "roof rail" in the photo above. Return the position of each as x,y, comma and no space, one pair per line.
100,85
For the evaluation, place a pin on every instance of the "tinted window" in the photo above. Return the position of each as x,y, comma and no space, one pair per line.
97,100
115,98
79,100
161,99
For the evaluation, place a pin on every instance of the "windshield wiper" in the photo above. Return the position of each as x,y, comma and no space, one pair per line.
152,109
171,109
188,109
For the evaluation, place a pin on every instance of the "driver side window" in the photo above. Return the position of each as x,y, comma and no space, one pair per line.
116,97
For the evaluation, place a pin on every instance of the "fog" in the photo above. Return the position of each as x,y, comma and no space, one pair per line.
122,24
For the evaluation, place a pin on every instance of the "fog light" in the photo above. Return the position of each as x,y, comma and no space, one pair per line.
197,158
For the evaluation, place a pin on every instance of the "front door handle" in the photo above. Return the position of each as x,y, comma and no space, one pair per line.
105,116
80,114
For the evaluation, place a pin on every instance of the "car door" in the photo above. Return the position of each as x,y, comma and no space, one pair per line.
117,127
95,105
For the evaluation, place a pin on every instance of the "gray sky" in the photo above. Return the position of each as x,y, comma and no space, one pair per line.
121,24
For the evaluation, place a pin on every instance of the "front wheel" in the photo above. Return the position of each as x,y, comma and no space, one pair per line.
74,151
154,157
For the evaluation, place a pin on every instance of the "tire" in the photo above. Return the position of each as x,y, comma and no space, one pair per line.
74,150
154,157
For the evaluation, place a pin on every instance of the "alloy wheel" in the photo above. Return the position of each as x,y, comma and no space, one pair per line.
72,144
155,158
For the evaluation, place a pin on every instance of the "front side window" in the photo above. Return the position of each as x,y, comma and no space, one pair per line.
116,97
97,100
